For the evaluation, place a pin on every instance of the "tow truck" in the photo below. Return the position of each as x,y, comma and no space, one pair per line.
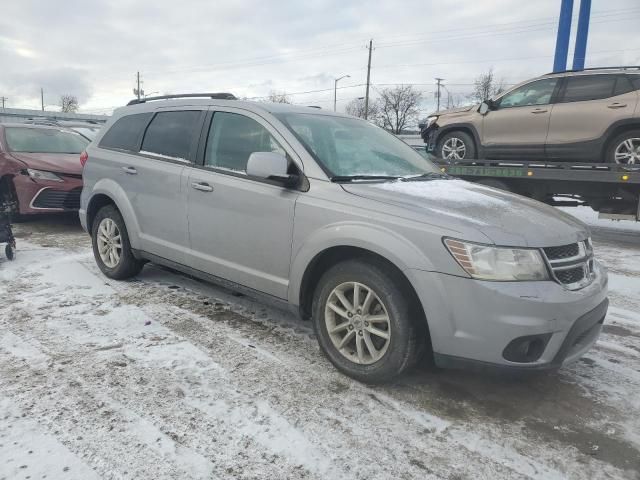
612,190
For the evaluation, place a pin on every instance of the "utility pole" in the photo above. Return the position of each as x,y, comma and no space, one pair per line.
42,98
439,84
138,79
335,90
3,100
366,97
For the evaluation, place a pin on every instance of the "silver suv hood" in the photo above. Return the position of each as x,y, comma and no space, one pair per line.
503,217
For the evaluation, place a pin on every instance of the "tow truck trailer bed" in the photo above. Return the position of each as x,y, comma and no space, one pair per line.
613,190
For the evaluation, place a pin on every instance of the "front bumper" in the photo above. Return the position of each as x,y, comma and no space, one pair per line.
430,137
473,322
47,197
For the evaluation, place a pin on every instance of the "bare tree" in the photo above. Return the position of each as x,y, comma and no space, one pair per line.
398,108
486,86
69,103
278,97
356,108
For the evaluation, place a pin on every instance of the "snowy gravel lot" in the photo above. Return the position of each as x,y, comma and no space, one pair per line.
167,377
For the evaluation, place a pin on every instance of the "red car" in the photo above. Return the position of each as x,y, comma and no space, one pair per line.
40,167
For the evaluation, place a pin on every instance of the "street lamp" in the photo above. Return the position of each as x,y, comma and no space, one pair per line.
335,90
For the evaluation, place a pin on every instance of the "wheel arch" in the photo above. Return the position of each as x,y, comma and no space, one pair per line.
467,128
615,130
108,192
331,256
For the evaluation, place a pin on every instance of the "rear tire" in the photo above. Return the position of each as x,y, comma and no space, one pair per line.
111,247
362,325
10,252
457,145
624,149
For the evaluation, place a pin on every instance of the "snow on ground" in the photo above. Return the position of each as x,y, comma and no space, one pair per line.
168,377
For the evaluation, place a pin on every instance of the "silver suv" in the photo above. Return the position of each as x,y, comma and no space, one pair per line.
588,115
344,223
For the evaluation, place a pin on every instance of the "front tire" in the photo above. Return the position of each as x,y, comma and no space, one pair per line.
111,247
456,145
366,324
625,149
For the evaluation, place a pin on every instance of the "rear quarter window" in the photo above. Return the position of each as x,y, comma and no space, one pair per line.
125,133
635,81
582,88
171,134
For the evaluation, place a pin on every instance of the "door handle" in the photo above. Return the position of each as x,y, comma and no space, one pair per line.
130,170
617,105
539,110
203,187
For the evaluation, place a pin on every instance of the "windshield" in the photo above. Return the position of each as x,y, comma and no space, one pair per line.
90,133
348,147
44,140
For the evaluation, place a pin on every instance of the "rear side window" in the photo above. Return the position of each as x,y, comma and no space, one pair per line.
171,134
635,81
623,85
125,133
582,88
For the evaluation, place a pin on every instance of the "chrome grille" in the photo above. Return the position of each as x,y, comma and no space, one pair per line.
565,251
571,265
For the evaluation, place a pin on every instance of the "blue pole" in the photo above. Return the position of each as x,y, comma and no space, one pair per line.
580,51
562,40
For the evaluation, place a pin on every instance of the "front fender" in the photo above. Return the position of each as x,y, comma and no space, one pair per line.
115,192
377,239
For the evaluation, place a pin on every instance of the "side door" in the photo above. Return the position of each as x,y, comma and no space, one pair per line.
153,181
587,106
517,126
240,227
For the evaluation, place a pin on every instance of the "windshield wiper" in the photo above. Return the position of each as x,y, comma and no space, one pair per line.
351,178
426,176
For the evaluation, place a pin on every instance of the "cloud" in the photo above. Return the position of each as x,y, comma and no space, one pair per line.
250,47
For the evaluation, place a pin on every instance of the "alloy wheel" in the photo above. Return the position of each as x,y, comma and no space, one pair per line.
358,323
628,152
454,149
109,243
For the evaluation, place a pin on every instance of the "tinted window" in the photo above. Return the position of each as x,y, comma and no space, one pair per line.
171,134
623,85
126,132
534,93
44,140
635,81
592,87
232,138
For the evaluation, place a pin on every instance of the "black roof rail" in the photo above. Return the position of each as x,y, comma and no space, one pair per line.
219,96
622,67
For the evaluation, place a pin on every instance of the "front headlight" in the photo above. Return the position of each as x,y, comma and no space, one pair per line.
430,121
486,262
42,175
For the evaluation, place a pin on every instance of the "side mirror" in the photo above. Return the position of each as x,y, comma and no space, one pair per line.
486,106
270,166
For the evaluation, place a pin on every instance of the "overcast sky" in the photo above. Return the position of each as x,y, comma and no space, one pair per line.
93,49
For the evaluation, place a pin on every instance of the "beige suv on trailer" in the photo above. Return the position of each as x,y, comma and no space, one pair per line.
588,115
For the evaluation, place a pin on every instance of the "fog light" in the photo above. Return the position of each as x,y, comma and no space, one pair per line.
526,349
